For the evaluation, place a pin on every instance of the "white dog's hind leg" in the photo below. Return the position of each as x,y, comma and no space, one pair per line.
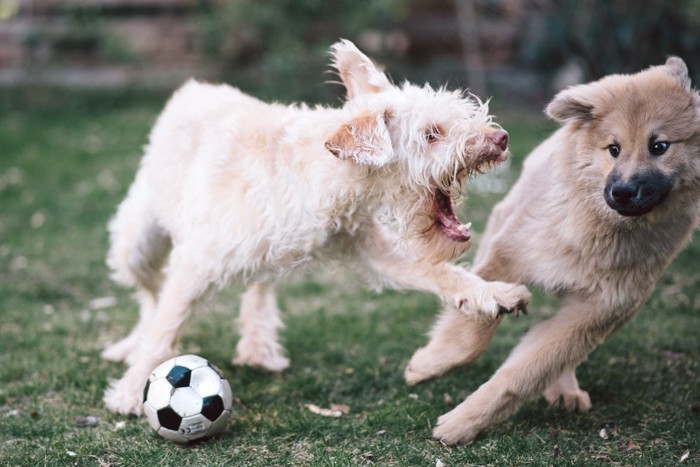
139,248
159,336
455,340
122,351
259,322
566,393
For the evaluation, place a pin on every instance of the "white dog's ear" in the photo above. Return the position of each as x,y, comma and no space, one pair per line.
676,66
360,76
573,104
364,139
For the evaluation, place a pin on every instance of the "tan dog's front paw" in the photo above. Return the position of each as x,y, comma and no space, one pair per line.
496,298
454,428
425,365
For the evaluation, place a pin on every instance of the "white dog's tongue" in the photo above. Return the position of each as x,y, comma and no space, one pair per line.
446,218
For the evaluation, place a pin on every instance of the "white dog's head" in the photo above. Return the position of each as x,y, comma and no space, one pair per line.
420,143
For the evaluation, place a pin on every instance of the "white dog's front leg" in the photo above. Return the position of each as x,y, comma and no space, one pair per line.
259,322
455,285
479,298
395,267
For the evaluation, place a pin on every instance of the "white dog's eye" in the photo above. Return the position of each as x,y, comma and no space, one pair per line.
432,134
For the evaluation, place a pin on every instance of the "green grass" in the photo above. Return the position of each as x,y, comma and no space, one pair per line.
66,161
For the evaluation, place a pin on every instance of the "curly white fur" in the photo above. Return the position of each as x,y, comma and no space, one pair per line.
231,188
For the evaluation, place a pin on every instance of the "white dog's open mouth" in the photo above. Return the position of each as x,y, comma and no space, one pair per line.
443,209
447,220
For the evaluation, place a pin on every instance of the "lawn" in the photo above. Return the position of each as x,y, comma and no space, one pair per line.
67,159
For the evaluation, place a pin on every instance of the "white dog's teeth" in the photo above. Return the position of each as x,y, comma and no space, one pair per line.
467,226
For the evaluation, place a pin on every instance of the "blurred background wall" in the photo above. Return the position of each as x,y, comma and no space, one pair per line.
521,50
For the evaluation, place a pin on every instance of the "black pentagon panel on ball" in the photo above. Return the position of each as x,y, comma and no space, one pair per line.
169,419
212,407
179,376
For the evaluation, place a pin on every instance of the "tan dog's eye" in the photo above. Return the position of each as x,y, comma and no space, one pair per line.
614,149
658,148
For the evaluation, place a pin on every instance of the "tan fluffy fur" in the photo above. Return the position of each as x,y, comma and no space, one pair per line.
555,231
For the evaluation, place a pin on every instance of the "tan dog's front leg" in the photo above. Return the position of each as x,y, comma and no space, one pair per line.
547,351
455,340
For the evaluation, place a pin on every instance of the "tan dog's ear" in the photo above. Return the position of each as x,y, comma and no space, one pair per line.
676,66
360,76
573,104
364,139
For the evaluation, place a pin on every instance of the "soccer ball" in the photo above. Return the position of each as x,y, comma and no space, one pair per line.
187,398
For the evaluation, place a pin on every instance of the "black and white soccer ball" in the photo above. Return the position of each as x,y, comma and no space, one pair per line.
187,398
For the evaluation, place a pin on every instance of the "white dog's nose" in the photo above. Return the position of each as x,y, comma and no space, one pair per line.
500,138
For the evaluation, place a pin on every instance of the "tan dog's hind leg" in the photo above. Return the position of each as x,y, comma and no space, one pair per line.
548,350
259,321
565,393
456,340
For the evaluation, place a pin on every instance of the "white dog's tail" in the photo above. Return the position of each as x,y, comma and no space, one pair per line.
139,246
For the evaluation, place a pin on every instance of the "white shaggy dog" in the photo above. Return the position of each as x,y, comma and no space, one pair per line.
231,188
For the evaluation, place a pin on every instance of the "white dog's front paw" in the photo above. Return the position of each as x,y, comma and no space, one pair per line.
496,298
575,400
268,357
124,397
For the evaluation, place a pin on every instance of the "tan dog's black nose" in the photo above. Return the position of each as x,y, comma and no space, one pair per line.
500,137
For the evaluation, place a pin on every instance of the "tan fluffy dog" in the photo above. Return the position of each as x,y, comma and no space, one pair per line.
599,212
232,188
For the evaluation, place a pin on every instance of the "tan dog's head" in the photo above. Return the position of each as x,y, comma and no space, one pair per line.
636,137
421,143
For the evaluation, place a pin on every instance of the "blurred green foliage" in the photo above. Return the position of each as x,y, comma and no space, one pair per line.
619,36
280,47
